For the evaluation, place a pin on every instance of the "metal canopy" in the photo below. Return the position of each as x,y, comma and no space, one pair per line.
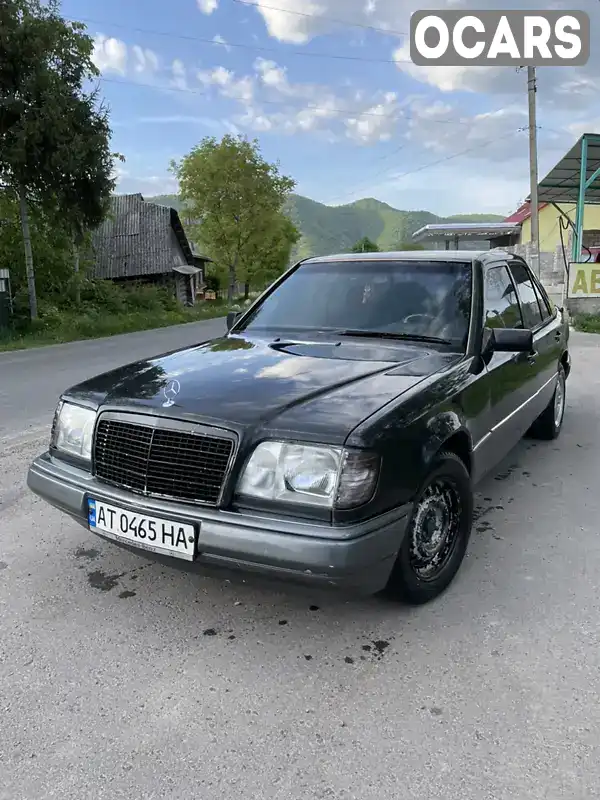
465,230
562,184
575,179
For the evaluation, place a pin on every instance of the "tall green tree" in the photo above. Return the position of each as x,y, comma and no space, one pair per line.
51,243
272,254
236,198
45,116
365,245
83,195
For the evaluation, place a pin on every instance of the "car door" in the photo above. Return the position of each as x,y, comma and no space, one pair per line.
510,376
545,324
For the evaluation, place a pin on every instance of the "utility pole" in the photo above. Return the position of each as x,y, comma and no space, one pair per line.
533,171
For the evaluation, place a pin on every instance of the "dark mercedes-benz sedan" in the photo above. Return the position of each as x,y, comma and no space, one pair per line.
334,435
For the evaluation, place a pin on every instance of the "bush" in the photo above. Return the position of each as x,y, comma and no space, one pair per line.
106,309
103,294
588,323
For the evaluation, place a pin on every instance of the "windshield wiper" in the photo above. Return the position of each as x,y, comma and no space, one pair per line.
407,337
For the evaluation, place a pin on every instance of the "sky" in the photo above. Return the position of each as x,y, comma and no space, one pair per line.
328,89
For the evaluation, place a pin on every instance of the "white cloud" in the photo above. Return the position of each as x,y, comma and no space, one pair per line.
272,75
114,55
378,124
241,89
179,75
272,102
454,79
207,6
444,149
300,21
442,129
110,55
305,19
145,61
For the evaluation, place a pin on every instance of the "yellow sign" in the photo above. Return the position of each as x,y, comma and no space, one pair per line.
584,280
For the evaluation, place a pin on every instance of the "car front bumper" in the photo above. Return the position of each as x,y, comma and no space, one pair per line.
358,558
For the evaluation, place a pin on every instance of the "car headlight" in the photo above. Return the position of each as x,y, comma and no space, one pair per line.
310,475
73,430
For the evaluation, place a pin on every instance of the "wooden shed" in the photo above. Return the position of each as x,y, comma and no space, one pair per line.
146,242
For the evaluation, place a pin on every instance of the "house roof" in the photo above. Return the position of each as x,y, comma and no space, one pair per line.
139,239
522,213
464,230
561,184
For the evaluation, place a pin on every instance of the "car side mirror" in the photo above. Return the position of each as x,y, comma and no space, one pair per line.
509,340
231,319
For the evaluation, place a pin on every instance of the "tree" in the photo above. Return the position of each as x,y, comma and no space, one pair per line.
88,181
365,245
236,198
271,254
50,241
409,246
45,117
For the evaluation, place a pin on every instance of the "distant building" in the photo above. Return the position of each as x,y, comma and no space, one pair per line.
146,242
550,225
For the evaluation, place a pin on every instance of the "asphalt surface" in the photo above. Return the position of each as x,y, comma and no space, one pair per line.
120,679
32,380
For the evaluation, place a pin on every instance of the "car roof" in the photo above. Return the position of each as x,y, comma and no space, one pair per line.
415,255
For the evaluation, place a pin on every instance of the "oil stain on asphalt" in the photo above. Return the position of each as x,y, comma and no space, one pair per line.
90,553
100,580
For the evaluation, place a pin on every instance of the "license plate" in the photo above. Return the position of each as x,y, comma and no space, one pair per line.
149,533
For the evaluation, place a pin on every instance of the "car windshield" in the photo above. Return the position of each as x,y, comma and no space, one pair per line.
407,299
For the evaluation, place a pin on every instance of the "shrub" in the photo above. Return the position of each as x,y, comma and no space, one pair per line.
589,323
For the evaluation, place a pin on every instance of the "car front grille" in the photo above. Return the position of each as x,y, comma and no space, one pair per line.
161,461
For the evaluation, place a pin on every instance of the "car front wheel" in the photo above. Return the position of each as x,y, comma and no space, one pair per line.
437,535
548,425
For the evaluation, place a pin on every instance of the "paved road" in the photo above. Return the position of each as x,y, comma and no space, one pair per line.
32,380
120,679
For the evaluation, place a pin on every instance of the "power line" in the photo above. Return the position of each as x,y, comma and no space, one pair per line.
436,163
320,16
244,46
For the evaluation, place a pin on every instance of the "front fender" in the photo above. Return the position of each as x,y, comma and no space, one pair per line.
441,428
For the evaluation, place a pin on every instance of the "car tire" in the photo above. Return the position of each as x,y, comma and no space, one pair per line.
448,485
548,425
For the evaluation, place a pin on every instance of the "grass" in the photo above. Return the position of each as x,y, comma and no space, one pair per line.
106,310
95,326
588,323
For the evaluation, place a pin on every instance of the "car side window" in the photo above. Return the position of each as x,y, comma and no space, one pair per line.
532,315
544,301
501,305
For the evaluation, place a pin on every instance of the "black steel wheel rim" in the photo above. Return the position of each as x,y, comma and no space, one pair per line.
435,529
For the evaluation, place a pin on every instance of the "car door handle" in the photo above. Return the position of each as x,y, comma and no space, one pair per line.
558,336
532,358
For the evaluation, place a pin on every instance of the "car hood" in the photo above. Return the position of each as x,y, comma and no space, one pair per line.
319,388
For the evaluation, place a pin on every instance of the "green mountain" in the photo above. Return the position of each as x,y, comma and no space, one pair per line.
334,229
